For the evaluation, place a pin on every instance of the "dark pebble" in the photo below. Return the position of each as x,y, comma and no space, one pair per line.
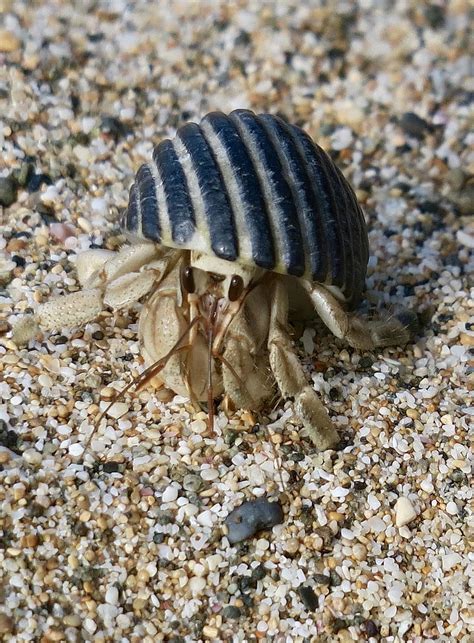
158,538
335,579
37,180
8,191
371,628
20,261
113,127
339,624
252,516
111,467
258,573
164,518
46,213
322,579
24,173
296,456
366,361
434,15
98,334
231,612
359,485
309,598
458,476
414,125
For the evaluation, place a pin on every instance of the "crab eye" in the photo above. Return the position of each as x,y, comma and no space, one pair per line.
187,280
236,287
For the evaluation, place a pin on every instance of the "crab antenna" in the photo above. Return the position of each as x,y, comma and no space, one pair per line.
145,376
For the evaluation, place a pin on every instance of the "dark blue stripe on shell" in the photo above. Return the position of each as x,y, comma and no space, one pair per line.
325,197
150,219
306,204
131,216
344,212
178,200
254,210
282,207
360,243
219,215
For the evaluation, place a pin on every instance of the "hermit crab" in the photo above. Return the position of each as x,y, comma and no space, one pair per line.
233,224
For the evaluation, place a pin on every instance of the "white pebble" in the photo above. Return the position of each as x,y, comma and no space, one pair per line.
99,206
32,456
112,595
404,512
198,426
169,494
209,474
426,486
452,508
196,585
90,626
117,410
76,450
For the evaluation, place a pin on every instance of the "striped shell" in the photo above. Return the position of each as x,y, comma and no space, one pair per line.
256,190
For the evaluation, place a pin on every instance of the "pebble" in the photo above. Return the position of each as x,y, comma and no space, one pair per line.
76,450
252,516
8,188
404,512
32,456
8,41
169,494
414,125
6,623
192,482
197,584
309,597
112,595
117,410
231,612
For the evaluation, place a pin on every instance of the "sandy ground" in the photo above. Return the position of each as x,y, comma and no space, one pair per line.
376,541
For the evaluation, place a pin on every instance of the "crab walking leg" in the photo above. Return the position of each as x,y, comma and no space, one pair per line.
109,279
96,268
358,333
291,378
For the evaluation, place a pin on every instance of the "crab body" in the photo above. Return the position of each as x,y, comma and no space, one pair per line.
229,221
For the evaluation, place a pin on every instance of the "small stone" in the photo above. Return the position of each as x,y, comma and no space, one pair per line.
404,512
359,551
210,632
169,494
4,457
309,597
6,623
252,516
414,125
76,450
452,508
291,546
8,188
32,456
192,482
72,620
8,41
117,410
231,612
112,595
322,579
197,585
